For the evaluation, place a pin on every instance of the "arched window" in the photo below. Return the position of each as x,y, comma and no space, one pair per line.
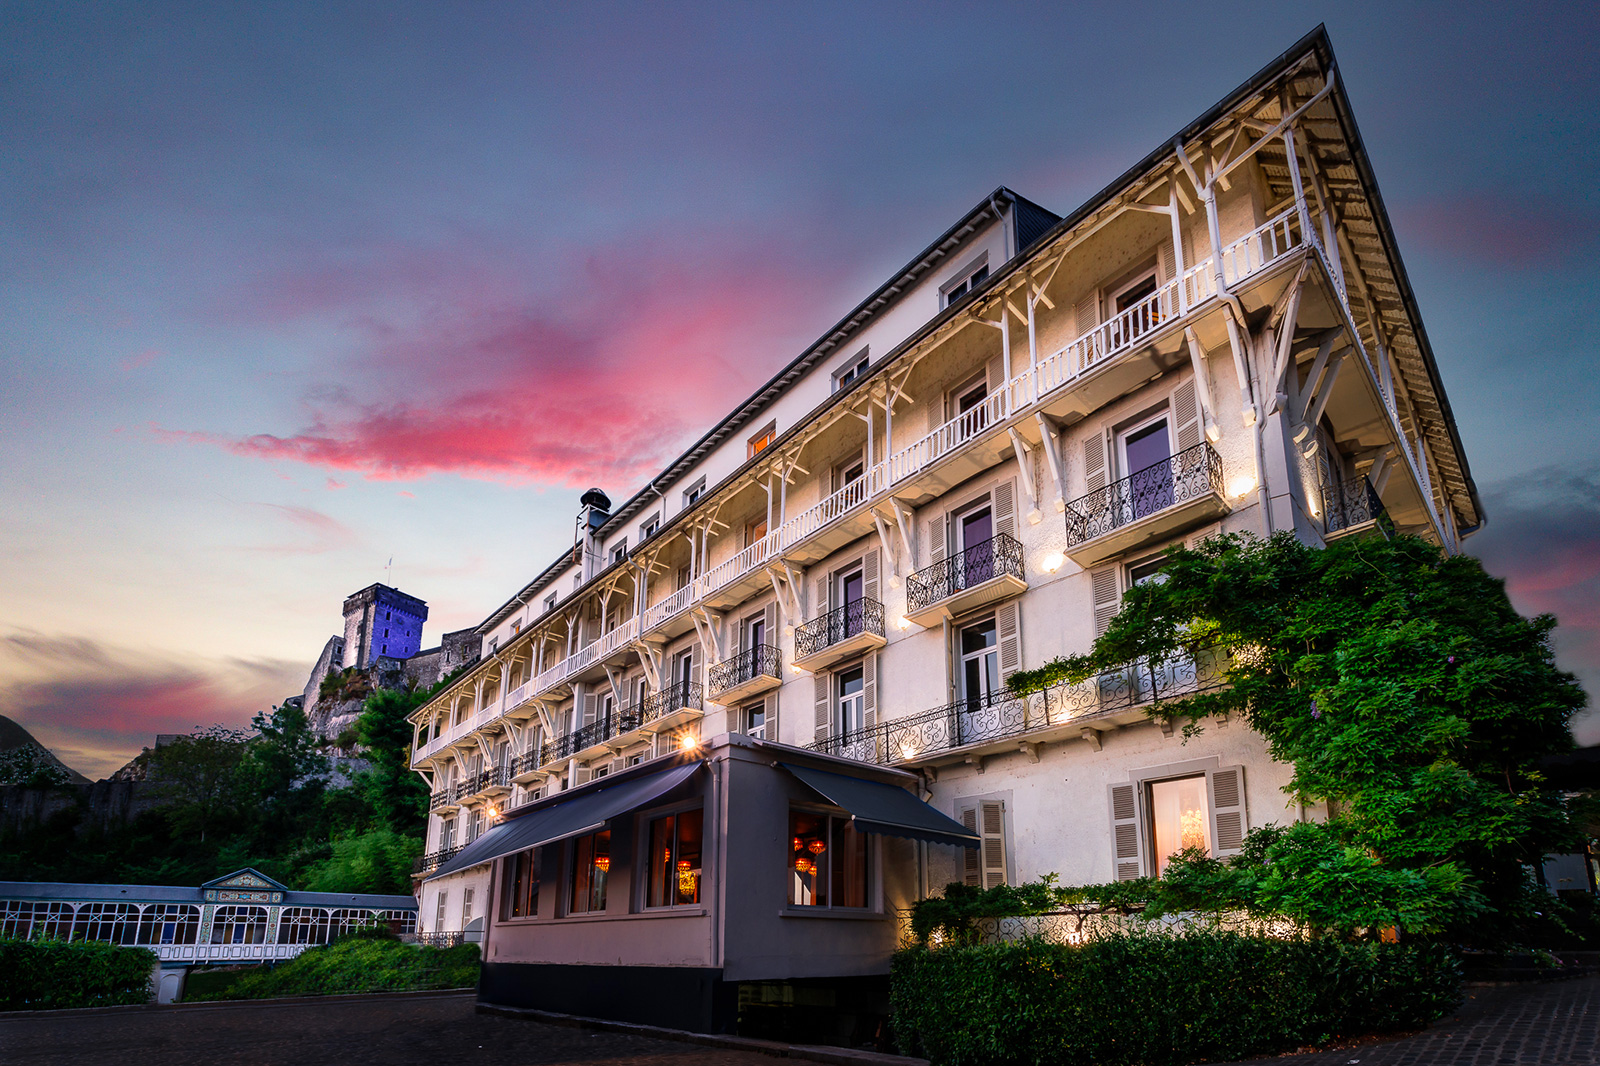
303,925
348,920
399,922
169,923
114,923
30,920
239,925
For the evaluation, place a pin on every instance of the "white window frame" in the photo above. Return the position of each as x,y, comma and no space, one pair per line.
694,493
852,371
751,709
1120,441
620,552
961,282
649,527
857,700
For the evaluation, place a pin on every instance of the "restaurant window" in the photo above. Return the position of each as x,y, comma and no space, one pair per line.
591,867
828,861
522,886
676,842
239,925
1180,818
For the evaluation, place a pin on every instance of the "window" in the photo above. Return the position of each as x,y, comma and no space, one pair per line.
849,472
600,771
969,396
447,833
466,905
852,370
494,645
828,864
550,602
755,720
634,760
682,577
1179,818
968,279
850,692
239,925
522,886
438,911
975,531
985,865
1144,452
516,626
755,631
649,527
759,442
591,864
674,857
980,663
692,494
474,824
754,530
620,552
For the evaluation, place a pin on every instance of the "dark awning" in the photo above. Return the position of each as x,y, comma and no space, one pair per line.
884,808
583,813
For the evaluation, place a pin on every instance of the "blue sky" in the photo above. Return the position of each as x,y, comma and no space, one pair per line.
294,289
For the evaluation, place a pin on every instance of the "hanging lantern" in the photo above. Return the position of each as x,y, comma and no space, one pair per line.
602,863
816,847
804,865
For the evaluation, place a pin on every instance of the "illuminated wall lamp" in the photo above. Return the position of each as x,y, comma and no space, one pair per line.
1052,562
1241,486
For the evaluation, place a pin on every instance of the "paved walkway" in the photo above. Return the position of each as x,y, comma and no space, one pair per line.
1554,1024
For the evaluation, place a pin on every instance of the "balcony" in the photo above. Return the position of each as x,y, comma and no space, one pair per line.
997,722
433,860
674,706
525,767
983,573
446,799
1146,506
1351,507
747,674
842,632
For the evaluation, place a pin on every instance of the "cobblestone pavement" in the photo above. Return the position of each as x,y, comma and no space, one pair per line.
1554,1024
381,1031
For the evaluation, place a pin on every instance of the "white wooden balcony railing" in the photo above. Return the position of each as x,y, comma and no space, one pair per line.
1173,302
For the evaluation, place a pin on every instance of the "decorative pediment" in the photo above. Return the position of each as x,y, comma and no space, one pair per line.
246,878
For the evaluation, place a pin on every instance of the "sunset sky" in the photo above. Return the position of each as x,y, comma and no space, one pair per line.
291,290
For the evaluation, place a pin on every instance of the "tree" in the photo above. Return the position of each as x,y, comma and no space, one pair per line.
1401,686
199,776
283,773
397,795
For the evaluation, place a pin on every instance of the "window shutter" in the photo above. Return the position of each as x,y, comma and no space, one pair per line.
1186,415
1008,626
696,654
869,690
1107,597
769,709
1086,315
1228,817
869,575
972,861
1127,834
591,707
822,698
581,776
937,538
992,826
996,373
772,624
821,606
1094,461
616,765
1164,265
1003,501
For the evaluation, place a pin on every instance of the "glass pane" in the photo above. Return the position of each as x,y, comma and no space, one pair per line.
850,682
1147,447
850,588
658,894
686,871
847,865
978,637
1180,818
808,845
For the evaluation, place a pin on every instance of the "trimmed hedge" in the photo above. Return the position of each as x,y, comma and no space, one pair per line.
1160,1000
54,974
350,964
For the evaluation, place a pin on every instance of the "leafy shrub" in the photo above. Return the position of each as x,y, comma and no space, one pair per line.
1160,1000
356,963
52,974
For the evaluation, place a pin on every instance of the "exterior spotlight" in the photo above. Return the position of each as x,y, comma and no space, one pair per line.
493,812
1052,562
1241,486
904,623
689,742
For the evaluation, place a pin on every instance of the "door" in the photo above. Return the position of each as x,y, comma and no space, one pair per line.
980,683
851,613
852,701
1146,450
976,529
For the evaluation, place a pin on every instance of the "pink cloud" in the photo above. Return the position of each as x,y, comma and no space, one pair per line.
1503,227
462,369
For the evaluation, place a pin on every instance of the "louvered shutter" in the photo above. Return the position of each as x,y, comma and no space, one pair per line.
591,707
616,765
1003,503
938,539
869,690
1186,415
870,568
1107,597
1008,627
992,828
1086,315
1127,832
821,601
972,858
822,699
772,624
696,656
995,372
1164,264
1229,820
769,711
580,776
1094,461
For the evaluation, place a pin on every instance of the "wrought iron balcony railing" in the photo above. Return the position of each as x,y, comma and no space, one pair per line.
434,859
1349,504
1002,715
681,696
838,625
1191,474
996,557
528,760
684,695
760,661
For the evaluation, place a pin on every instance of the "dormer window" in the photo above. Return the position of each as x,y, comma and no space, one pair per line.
970,277
854,369
649,527
620,552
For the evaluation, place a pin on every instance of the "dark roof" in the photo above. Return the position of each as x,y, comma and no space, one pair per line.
86,893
